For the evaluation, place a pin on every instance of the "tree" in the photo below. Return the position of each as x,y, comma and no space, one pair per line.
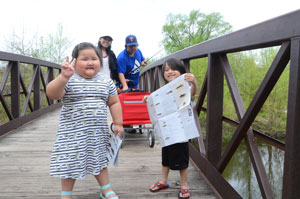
20,44
182,31
57,46
275,107
52,49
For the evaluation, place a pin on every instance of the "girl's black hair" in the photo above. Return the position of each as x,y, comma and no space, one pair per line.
174,64
83,46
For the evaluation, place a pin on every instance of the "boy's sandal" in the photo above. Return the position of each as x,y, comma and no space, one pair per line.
108,193
184,191
158,187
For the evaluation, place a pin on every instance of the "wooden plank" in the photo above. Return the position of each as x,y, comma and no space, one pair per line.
25,158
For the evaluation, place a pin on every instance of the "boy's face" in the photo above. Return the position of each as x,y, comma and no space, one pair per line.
87,63
170,74
131,49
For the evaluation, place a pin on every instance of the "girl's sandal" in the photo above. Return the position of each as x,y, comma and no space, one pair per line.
108,193
66,194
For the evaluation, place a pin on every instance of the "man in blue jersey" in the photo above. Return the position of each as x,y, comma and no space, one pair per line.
130,61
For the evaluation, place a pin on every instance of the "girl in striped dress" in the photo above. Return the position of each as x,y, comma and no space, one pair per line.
83,134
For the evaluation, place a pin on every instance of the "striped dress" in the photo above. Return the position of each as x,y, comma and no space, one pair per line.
82,135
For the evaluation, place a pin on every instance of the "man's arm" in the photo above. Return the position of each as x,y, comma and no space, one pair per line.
123,81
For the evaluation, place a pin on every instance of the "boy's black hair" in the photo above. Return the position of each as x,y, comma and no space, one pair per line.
83,46
174,64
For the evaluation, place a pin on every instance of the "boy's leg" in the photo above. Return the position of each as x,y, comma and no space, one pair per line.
67,188
184,184
165,173
164,178
183,175
103,181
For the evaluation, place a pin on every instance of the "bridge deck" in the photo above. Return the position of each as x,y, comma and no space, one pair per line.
25,157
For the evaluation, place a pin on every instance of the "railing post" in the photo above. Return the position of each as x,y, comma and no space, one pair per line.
50,73
187,65
36,88
215,88
15,89
291,175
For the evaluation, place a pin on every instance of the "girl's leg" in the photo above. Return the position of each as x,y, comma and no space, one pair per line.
184,184
67,188
103,181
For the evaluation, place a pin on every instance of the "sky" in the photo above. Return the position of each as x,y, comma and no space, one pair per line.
87,20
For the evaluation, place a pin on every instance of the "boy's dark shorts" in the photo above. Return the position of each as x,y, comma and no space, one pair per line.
176,156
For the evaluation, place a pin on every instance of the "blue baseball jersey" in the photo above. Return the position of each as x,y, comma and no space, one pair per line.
130,66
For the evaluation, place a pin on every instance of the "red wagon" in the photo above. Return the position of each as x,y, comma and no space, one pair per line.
135,114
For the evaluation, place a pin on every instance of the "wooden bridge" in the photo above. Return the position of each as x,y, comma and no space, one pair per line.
25,159
25,150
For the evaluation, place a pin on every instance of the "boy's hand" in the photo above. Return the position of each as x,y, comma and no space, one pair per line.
145,98
143,63
67,69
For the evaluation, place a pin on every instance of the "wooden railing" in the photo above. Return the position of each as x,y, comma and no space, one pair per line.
283,31
24,99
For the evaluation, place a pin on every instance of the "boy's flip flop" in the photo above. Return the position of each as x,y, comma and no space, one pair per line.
158,187
184,191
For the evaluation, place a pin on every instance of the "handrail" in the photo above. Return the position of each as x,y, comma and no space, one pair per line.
283,31
5,56
35,102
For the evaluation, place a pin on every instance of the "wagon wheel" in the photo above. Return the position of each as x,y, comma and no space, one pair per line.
151,139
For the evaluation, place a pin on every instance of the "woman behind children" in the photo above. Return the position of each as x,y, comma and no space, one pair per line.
83,135
176,156
108,57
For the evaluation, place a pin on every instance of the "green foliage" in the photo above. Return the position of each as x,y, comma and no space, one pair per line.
272,118
249,69
182,31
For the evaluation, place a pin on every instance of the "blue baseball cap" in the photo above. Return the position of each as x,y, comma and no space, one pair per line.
131,41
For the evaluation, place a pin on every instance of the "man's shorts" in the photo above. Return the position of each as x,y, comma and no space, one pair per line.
176,156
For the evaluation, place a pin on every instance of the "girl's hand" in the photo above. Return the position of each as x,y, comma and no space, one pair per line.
190,78
67,69
118,130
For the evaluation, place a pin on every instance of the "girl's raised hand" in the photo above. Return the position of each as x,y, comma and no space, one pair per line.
190,78
67,69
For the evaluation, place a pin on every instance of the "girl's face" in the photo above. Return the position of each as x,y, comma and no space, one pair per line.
105,43
170,74
87,63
